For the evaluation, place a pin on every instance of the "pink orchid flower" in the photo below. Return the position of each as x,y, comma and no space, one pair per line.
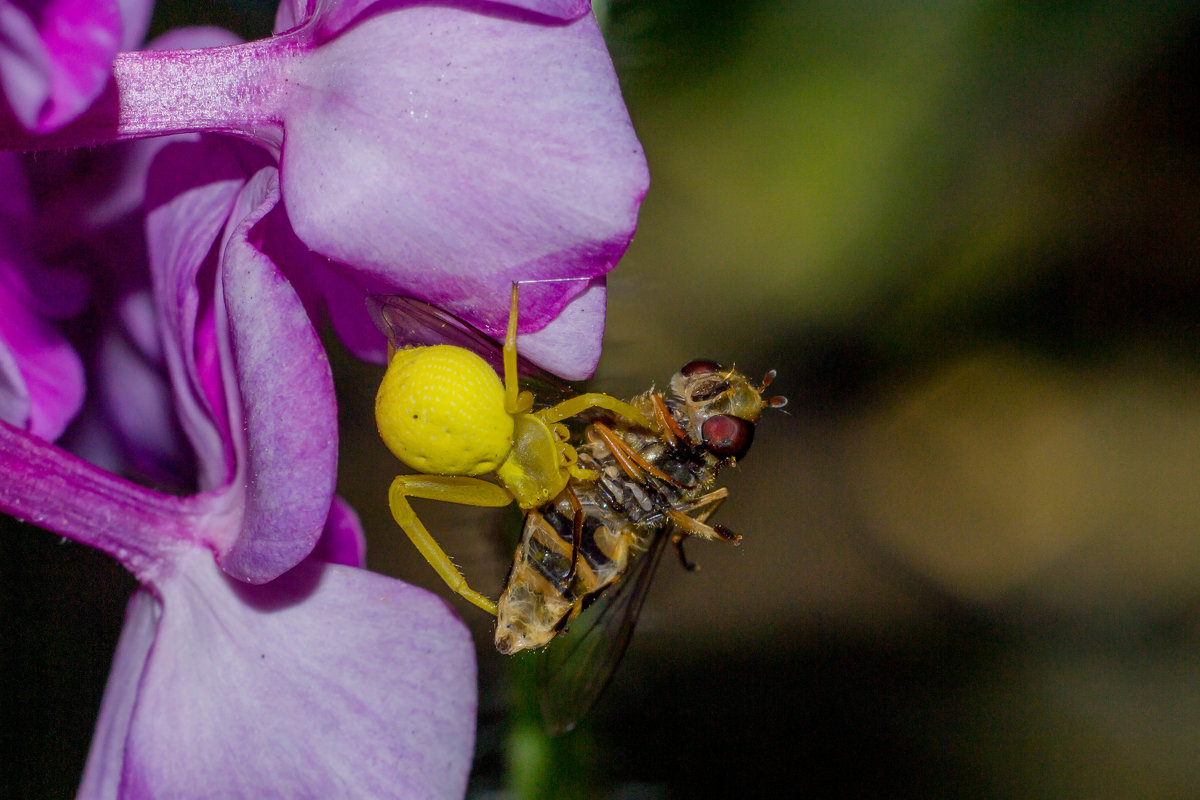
439,150
248,667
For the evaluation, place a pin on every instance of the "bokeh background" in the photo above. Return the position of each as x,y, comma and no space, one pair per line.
967,235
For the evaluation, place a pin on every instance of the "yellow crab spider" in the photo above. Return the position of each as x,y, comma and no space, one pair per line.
443,411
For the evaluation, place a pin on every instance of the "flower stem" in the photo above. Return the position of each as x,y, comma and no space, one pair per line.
235,89
55,490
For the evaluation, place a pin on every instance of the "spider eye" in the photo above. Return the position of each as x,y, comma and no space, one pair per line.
700,366
726,436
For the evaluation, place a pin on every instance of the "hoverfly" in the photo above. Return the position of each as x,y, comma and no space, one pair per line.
601,502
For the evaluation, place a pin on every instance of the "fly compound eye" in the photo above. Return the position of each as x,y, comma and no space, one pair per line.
726,436
700,366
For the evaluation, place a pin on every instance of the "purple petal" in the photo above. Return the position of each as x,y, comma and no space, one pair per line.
289,14
345,302
14,398
332,16
449,150
106,758
328,682
194,37
560,9
135,22
41,376
24,65
570,345
253,386
137,401
326,287
343,541
55,55
192,189
286,401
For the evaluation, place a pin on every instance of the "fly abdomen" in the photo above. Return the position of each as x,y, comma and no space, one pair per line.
552,564
591,552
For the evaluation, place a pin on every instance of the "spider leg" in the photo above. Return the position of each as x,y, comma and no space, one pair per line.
574,406
515,401
450,489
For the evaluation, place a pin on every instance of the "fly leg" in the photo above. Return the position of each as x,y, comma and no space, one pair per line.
451,489
705,506
576,533
666,420
694,527
691,520
630,460
677,540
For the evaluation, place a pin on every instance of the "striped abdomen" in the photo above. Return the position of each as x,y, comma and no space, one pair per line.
542,595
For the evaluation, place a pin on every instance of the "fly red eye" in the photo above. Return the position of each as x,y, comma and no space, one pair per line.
700,366
727,436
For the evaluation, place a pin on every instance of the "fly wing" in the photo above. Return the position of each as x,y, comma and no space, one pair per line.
575,670
408,322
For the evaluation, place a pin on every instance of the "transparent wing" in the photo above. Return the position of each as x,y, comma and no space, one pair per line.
408,322
577,667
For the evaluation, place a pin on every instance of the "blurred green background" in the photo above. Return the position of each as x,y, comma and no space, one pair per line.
966,235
